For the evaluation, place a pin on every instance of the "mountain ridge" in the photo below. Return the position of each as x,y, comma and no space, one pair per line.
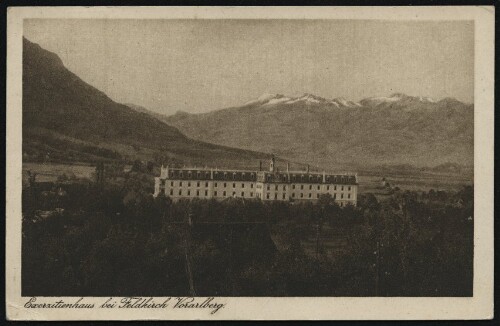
395,130
66,119
269,98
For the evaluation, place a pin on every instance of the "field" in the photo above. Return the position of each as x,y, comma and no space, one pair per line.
416,181
368,181
50,172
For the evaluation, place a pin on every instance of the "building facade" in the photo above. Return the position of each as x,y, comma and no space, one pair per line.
178,183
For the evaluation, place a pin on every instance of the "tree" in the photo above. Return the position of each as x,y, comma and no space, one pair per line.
137,166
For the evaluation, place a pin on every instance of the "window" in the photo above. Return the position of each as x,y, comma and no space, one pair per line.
301,195
317,195
284,187
251,194
327,187
198,184
180,183
276,187
206,192
206,184
189,192
275,196
268,187
334,187
349,196
301,187
180,192
242,185
242,194
224,185
310,195
172,184
293,194
251,185
189,184
341,196
234,194
318,187
171,192
197,193
234,185
334,196
342,188
293,186
267,196
224,194
215,185
310,187
283,196
215,193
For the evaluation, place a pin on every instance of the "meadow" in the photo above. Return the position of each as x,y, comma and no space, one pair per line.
369,181
49,172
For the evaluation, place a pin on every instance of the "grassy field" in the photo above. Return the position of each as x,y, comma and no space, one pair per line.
417,181
368,182
50,172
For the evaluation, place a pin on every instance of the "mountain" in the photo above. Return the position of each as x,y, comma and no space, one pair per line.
273,99
395,130
66,119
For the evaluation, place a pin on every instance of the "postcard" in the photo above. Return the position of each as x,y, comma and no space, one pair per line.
250,163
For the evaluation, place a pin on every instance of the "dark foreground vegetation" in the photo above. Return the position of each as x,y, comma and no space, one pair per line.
80,239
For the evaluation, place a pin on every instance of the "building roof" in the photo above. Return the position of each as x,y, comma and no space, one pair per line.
306,177
206,174
261,176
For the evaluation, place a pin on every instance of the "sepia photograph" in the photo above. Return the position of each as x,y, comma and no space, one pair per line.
192,158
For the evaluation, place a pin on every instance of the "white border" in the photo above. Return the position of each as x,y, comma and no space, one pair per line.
480,306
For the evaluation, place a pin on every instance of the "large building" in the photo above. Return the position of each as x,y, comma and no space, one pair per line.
273,184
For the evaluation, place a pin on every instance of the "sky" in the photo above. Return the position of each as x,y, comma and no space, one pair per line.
200,65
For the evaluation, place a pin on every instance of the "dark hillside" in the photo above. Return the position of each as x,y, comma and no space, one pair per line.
65,118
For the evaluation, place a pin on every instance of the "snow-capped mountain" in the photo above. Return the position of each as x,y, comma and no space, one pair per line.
340,102
398,98
343,102
398,129
273,99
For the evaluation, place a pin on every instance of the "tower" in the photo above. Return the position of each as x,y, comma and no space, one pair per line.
272,164
164,172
